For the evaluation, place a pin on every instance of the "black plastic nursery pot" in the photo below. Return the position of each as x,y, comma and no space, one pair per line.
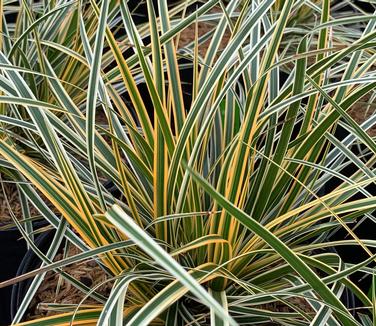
26,261
364,230
12,252
15,260
29,262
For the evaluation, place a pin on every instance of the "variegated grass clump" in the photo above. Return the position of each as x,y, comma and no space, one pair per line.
222,213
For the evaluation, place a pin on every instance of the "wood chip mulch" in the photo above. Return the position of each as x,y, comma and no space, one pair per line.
55,290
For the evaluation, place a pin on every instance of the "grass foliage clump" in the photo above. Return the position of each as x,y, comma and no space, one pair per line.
228,168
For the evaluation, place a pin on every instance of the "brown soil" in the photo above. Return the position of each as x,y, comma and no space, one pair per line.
9,195
58,291
188,35
9,200
297,302
361,112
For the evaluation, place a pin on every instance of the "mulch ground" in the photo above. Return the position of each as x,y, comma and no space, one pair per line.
55,290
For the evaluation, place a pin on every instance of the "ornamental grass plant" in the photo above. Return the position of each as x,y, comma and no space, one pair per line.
222,209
